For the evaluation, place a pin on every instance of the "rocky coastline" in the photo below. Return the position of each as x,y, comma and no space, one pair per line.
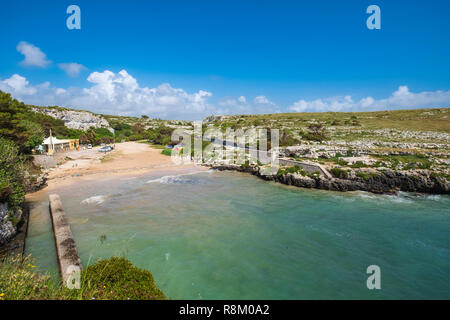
14,221
387,181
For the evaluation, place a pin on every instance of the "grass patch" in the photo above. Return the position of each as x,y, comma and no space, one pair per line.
415,161
155,146
110,156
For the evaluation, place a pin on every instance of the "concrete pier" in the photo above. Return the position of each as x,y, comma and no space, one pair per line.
66,248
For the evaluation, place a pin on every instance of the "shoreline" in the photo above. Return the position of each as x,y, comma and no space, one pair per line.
384,183
128,158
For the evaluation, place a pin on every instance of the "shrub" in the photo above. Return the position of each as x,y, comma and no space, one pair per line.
408,161
287,139
358,164
365,175
317,132
339,173
160,135
112,279
118,279
293,169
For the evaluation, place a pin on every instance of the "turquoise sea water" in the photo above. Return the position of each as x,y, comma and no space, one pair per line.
226,235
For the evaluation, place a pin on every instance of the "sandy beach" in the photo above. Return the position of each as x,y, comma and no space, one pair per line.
128,158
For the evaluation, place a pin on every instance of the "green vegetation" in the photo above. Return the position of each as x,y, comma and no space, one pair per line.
96,136
161,135
12,170
359,164
366,176
19,123
286,139
293,169
414,161
167,152
110,279
349,126
316,132
441,175
336,160
339,173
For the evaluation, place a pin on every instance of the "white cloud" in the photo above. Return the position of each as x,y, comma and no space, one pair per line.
17,85
120,94
33,55
115,93
400,99
240,105
73,69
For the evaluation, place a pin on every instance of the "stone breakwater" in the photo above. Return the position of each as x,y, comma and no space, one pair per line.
66,248
387,181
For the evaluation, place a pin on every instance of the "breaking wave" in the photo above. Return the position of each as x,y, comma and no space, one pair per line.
94,200
178,179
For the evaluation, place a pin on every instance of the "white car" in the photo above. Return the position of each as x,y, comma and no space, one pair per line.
89,146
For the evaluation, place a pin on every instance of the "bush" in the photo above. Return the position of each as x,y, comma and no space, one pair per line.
293,169
110,279
366,176
286,139
12,167
339,173
358,164
412,161
118,279
161,135
317,132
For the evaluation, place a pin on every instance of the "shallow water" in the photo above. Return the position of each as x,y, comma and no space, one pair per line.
227,235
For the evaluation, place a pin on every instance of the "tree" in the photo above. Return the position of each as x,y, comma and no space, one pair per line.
12,169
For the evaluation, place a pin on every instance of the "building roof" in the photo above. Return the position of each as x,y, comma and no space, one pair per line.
54,141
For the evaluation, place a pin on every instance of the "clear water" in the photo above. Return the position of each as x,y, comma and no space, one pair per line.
226,235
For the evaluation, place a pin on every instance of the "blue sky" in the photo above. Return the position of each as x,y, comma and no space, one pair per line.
191,58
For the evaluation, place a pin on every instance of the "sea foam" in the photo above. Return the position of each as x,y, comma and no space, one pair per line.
94,200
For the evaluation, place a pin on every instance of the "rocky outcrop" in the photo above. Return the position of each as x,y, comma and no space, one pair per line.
216,118
73,119
36,182
7,230
9,220
387,181
325,150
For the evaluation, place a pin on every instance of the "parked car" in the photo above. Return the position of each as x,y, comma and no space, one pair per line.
105,149
89,146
